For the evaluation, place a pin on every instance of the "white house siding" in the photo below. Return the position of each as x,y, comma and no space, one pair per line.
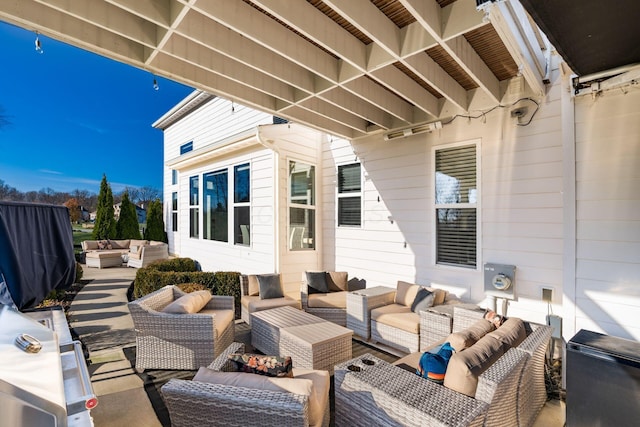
520,203
211,123
607,150
297,143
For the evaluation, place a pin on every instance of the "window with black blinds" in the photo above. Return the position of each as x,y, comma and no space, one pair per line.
456,206
349,195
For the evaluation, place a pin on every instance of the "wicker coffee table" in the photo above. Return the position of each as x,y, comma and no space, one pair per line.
311,341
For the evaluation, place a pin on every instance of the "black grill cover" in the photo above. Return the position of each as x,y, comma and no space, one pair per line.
36,251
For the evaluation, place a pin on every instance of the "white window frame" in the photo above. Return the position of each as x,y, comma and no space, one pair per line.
291,204
349,195
235,205
476,205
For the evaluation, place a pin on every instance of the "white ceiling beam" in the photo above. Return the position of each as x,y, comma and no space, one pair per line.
177,12
73,31
108,17
256,26
369,90
214,36
199,56
306,117
457,47
511,23
407,88
318,27
156,11
345,99
337,114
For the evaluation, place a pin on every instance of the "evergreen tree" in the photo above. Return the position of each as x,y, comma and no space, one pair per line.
127,226
104,227
155,223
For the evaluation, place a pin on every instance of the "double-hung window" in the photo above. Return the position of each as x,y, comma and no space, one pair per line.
349,195
456,197
174,211
302,209
216,205
241,204
194,207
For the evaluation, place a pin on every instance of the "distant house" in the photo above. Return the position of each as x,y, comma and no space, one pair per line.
85,215
141,212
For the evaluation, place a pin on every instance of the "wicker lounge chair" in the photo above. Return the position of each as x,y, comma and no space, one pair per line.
250,300
201,404
180,341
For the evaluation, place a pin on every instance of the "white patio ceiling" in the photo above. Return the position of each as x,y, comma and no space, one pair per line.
348,67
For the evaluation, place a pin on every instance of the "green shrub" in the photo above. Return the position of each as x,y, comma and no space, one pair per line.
174,264
79,272
191,287
159,275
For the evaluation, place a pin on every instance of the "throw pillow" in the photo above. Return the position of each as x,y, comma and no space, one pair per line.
271,366
189,303
424,300
433,366
270,286
102,244
337,281
133,249
317,282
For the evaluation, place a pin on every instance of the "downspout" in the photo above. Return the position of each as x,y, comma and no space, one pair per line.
269,143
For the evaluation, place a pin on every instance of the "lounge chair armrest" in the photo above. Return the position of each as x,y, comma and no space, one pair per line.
220,302
221,363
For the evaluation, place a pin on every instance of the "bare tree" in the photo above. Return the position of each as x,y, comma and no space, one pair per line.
147,194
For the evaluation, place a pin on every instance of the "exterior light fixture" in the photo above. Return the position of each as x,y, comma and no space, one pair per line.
38,44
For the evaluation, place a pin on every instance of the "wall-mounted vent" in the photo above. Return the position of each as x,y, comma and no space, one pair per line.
413,130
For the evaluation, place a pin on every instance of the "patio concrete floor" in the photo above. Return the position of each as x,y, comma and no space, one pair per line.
100,318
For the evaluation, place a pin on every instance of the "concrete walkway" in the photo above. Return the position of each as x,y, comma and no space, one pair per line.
100,318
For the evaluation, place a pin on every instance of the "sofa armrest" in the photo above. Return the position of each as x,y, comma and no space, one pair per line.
244,285
498,386
192,403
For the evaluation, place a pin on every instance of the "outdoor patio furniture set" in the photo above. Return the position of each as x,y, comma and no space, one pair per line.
133,252
497,380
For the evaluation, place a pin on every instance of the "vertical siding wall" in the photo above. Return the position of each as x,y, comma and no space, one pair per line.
207,125
520,206
608,213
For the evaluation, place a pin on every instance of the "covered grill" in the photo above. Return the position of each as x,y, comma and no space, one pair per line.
44,379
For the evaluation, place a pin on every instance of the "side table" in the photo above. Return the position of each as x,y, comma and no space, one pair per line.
359,306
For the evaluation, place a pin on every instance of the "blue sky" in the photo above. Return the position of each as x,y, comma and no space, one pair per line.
75,115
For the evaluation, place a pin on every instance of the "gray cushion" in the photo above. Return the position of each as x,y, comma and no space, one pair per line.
317,282
424,299
270,286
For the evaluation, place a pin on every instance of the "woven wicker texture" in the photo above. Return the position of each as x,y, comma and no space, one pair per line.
194,404
532,393
359,306
266,325
316,346
394,337
385,395
177,341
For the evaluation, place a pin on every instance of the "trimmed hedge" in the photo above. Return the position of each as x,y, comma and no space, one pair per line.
177,271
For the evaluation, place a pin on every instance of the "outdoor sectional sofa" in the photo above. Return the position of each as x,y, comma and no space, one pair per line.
136,253
396,324
324,294
499,382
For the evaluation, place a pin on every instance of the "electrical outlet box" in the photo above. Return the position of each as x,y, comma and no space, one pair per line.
556,323
547,294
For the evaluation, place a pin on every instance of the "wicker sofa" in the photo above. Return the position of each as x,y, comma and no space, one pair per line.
251,301
180,341
137,253
329,302
197,403
510,391
395,324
